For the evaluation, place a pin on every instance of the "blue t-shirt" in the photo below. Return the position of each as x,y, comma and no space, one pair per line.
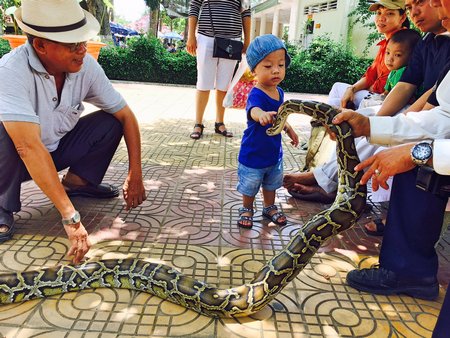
429,57
259,150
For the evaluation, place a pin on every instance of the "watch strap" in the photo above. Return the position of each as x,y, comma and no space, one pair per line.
74,219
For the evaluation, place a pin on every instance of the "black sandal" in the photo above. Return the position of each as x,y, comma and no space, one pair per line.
7,221
246,219
275,216
195,135
224,132
379,224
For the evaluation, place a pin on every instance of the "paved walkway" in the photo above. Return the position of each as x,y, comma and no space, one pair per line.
188,222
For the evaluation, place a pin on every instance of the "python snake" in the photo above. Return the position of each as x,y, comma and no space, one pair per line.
168,283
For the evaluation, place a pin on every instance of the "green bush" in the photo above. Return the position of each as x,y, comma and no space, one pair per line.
145,59
313,70
4,47
325,62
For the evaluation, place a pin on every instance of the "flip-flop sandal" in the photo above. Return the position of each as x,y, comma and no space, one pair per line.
275,216
6,219
380,228
246,219
7,235
313,197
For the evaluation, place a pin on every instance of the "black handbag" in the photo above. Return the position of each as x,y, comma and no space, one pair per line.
225,48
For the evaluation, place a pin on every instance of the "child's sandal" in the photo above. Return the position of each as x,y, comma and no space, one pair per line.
245,222
275,216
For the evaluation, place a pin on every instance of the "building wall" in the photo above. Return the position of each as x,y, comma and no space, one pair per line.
358,38
336,24
332,22
330,18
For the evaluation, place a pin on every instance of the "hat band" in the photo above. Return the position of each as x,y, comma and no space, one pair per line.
56,29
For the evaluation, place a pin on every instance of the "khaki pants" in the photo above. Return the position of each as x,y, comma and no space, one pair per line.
320,147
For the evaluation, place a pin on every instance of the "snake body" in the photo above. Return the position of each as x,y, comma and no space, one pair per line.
168,283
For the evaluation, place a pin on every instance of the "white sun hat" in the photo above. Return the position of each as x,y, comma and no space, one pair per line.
57,20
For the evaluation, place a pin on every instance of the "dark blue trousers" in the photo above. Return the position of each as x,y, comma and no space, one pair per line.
442,328
413,227
87,150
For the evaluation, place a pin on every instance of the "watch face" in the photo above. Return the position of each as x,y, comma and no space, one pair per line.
422,151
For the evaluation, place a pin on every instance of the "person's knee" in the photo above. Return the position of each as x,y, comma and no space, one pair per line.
108,122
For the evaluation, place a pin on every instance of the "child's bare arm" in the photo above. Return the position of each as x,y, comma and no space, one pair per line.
292,134
261,116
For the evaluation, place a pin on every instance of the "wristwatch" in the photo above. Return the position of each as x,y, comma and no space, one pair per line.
76,218
421,153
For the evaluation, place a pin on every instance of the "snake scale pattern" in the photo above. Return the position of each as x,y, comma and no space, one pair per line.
168,283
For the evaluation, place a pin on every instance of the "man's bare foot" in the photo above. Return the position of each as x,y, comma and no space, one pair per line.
300,178
73,179
312,193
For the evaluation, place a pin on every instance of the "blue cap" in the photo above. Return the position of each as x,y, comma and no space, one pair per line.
262,46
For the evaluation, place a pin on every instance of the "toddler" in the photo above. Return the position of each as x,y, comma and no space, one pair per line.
398,51
260,156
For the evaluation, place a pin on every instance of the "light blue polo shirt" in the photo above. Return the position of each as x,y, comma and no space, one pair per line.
28,94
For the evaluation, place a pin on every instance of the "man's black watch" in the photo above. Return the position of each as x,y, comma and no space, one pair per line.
421,153
76,218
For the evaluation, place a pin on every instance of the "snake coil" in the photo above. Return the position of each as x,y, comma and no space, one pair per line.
168,283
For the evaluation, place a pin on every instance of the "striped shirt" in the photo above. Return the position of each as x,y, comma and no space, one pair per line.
226,17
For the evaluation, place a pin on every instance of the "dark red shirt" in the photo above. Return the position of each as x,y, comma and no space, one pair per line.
376,75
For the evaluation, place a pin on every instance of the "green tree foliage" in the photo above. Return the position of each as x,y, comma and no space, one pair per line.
361,14
176,24
4,47
4,5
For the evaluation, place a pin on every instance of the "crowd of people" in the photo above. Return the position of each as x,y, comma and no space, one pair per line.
42,130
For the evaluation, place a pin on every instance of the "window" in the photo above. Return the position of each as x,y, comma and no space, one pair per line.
321,7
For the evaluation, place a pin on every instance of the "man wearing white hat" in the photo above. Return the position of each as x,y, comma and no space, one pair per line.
44,84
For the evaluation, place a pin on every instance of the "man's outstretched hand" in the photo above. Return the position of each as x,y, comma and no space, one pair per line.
79,242
134,191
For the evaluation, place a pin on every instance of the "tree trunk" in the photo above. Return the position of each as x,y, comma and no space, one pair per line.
111,11
98,9
153,27
186,29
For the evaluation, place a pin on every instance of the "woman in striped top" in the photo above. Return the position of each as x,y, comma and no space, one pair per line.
227,20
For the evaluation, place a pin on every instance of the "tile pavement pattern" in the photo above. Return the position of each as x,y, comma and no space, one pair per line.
189,222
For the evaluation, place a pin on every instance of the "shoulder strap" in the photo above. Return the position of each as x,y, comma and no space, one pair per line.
210,17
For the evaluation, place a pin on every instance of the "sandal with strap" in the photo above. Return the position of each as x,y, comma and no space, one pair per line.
275,216
195,135
7,222
379,226
245,219
224,132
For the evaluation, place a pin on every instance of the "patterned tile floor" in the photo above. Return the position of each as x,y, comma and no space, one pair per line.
188,222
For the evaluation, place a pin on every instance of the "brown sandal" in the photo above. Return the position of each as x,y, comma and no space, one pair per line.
195,135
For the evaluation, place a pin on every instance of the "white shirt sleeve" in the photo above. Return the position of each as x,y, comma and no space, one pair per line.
425,125
441,156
